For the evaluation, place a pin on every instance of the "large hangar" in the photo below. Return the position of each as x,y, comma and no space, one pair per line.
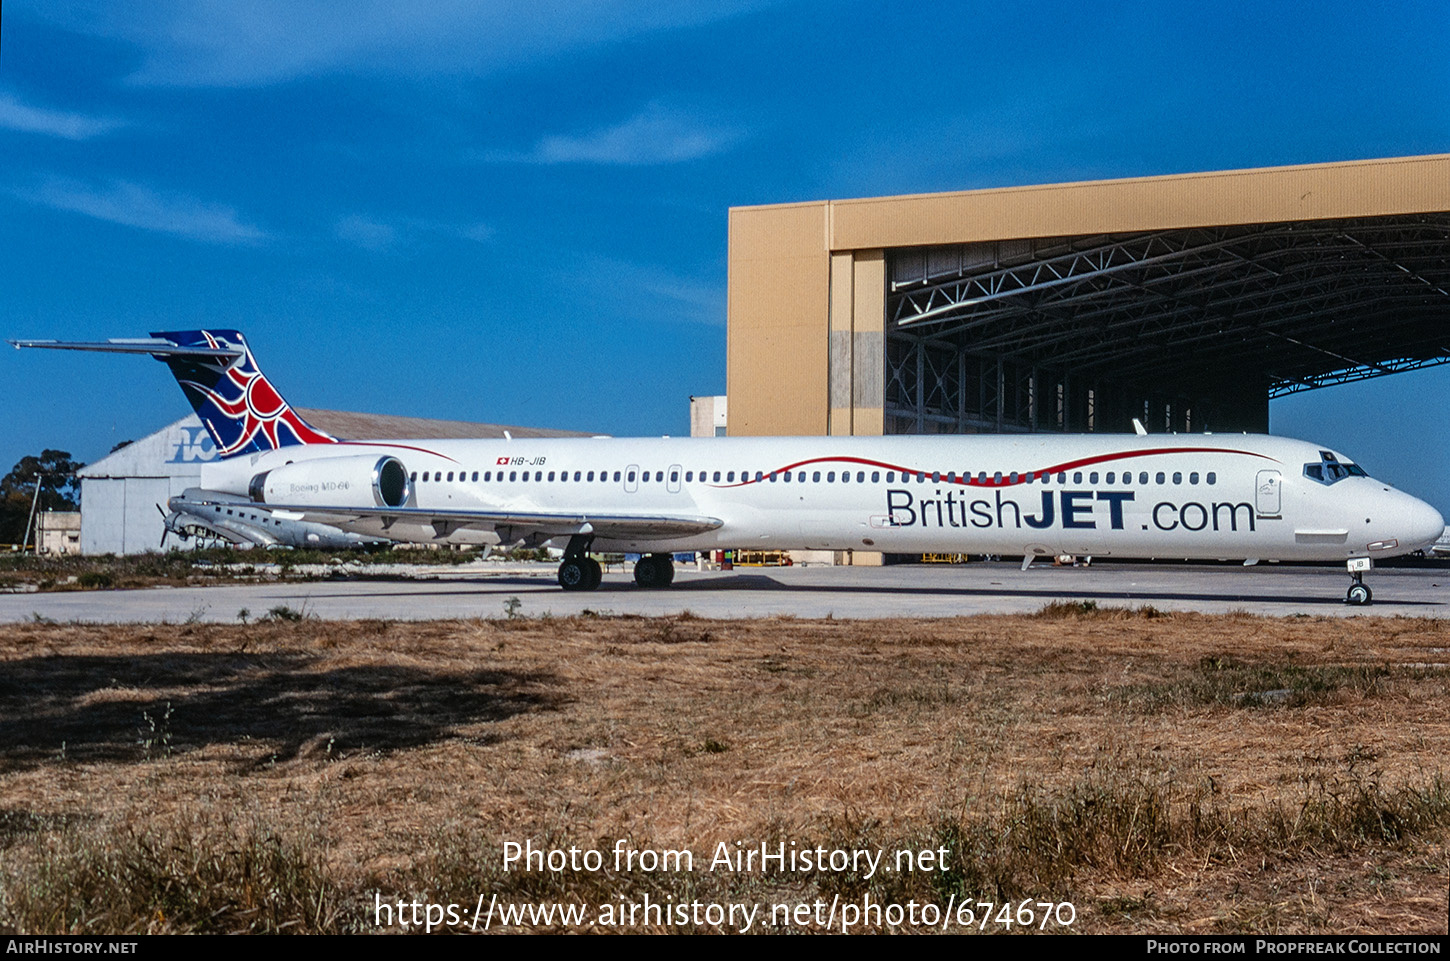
1187,301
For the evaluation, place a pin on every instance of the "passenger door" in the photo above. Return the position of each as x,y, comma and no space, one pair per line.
1268,494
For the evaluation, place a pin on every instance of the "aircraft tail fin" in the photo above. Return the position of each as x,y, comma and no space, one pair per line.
241,410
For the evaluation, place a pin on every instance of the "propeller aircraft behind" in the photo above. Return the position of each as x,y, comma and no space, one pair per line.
212,516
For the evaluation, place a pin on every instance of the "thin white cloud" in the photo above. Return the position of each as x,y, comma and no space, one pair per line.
647,291
656,135
226,43
377,234
15,115
478,233
366,232
135,205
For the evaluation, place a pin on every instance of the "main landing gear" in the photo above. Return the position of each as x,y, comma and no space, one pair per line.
1359,592
654,571
579,572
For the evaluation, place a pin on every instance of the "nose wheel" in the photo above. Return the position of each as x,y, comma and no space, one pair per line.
1359,593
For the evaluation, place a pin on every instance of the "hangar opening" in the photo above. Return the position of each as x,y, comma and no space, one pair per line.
1187,330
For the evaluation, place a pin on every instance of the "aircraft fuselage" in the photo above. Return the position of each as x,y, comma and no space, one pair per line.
1181,496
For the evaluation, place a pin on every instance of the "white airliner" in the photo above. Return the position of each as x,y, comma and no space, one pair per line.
1248,497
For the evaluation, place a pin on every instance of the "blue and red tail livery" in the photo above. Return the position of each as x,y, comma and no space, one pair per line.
239,407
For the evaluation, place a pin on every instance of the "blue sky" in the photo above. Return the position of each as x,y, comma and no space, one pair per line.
515,211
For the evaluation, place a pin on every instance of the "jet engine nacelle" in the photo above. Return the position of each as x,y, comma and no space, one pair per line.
363,481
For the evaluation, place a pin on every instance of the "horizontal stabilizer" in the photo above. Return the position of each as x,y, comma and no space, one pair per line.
148,345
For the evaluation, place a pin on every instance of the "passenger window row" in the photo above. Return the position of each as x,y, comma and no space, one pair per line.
846,477
250,516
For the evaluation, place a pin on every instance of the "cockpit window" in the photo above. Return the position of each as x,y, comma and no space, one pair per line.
1331,470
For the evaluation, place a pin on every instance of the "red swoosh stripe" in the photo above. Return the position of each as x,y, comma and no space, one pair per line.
421,450
964,481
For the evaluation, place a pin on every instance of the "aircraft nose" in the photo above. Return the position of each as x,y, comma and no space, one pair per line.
1424,525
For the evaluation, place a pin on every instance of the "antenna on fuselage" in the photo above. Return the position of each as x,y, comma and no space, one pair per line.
1138,428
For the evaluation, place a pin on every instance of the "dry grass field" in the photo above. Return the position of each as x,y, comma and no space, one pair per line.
208,566
1160,772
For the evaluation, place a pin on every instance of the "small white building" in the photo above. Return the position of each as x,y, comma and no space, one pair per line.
58,532
708,416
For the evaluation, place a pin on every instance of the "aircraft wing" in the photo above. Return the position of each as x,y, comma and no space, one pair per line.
510,525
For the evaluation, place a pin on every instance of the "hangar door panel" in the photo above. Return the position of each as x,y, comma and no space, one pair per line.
143,520
103,515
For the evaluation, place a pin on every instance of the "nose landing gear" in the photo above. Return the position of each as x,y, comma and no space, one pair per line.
1359,593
